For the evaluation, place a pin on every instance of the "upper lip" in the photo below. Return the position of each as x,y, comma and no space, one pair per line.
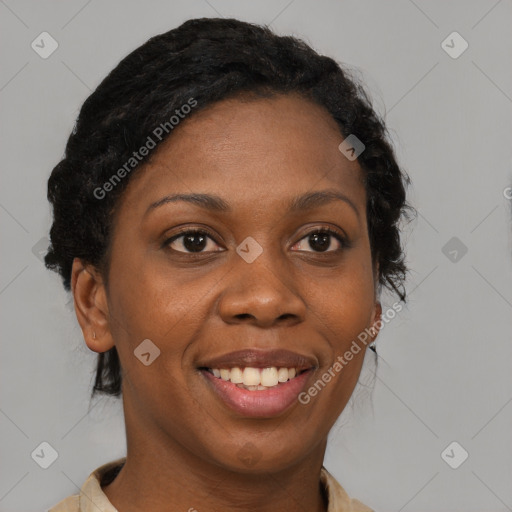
257,358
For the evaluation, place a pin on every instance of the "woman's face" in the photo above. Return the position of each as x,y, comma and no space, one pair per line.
253,278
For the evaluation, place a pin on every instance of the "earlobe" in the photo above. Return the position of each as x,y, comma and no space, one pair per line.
91,306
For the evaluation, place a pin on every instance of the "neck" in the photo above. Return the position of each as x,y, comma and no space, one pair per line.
162,475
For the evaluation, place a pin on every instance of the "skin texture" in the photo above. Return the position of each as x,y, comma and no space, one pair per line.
183,443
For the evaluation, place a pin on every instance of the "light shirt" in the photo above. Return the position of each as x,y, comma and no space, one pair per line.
93,499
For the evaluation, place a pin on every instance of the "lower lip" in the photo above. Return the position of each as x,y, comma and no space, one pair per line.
264,403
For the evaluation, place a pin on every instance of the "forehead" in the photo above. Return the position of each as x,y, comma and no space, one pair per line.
254,152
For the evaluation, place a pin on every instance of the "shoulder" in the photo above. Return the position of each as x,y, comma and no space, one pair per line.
69,504
91,497
338,499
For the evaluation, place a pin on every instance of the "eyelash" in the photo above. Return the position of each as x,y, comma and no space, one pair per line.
323,229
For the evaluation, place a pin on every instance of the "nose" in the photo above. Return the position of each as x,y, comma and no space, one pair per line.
262,293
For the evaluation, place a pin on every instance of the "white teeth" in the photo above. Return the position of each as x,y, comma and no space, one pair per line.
269,377
252,376
282,374
236,375
255,378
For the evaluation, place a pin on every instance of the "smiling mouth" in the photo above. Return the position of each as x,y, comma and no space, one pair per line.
256,379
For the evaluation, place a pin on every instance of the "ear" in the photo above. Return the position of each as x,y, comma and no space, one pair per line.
91,306
376,321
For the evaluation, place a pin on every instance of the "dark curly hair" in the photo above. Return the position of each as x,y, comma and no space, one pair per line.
209,60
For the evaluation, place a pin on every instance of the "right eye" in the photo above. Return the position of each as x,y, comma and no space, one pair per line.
193,241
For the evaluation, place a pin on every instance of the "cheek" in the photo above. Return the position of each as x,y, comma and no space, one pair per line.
158,304
345,301
147,297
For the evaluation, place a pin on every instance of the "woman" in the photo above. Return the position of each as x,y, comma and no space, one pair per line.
225,216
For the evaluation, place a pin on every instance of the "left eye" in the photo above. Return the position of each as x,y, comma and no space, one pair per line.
321,240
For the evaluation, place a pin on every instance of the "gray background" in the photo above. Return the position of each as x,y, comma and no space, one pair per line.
444,371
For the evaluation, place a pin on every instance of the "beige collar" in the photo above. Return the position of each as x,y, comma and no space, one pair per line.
93,499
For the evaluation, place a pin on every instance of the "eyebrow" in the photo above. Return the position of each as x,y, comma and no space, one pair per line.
215,203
